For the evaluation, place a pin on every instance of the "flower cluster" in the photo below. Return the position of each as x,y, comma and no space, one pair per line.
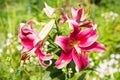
109,67
109,16
74,47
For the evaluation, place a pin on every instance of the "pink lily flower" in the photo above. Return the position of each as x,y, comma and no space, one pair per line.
30,41
77,15
77,46
28,36
49,11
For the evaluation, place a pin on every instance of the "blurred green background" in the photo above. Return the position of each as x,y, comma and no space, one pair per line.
104,66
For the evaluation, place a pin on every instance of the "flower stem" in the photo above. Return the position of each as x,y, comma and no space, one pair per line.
65,71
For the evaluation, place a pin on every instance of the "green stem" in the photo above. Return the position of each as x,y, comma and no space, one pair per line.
66,78
65,71
41,73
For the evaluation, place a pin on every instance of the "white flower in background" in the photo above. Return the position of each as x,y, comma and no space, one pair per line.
112,56
9,35
107,67
116,62
119,70
112,70
100,54
109,15
8,42
112,61
11,70
90,59
1,50
113,14
101,75
19,47
102,14
47,43
35,63
94,78
116,15
92,64
103,66
117,56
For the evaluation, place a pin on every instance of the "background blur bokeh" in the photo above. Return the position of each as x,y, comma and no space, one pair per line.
103,66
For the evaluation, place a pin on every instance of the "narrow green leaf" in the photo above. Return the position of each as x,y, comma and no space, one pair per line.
82,77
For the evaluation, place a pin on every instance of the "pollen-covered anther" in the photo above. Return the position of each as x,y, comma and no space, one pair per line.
78,50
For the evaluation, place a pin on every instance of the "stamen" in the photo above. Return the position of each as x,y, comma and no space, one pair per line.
77,49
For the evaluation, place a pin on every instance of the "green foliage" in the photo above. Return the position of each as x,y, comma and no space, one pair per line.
13,12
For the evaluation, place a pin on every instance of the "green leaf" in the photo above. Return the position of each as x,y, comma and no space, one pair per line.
82,77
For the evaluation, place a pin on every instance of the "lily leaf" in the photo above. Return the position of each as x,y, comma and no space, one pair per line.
82,77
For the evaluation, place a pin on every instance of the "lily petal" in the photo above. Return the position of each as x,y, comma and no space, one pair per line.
64,59
87,23
81,60
42,63
49,10
87,38
73,24
76,59
43,55
28,36
76,14
62,41
64,18
26,42
75,28
95,47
